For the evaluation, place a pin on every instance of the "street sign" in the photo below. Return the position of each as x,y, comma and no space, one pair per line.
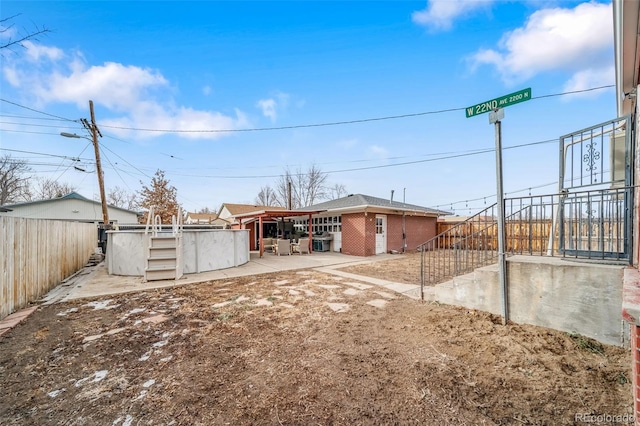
501,102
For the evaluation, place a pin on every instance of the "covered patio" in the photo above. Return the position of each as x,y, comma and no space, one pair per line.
280,216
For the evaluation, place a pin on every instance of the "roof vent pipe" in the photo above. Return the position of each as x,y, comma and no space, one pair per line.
391,201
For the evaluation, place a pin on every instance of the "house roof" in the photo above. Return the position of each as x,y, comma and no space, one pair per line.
69,196
626,22
239,209
203,216
355,202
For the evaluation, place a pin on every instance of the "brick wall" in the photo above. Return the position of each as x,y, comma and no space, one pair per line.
359,234
418,228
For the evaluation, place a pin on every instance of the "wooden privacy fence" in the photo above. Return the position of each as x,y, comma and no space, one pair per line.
36,255
532,236
522,236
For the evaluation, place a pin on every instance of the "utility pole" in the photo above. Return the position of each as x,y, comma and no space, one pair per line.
93,128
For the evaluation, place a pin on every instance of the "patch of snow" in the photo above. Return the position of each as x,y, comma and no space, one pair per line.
56,392
101,304
351,292
91,338
68,311
166,359
160,344
281,282
99,375
128,420
294,292
148,383
222,304
142,394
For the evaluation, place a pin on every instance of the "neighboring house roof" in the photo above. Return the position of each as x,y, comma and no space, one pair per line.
206,217
238,209
359,202
69,196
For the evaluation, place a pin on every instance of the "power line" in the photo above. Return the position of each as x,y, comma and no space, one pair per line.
27,131
335,123
39,112
42,153
32,118
38,125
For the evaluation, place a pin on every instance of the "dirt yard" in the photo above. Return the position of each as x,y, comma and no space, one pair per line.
297,348
405,268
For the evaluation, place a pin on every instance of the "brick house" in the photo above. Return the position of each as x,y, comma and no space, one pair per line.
362,225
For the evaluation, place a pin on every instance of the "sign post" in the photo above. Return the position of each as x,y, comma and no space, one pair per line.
496,114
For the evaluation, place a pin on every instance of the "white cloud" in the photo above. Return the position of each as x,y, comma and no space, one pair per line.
36,51
186,121
139,97
272,106
116,86
268,107
553,39
440,14
590,78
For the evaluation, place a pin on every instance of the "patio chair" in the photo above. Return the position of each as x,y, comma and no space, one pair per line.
268,244
283,247
302,246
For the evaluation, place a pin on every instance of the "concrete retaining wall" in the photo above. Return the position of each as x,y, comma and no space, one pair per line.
202,250
562,294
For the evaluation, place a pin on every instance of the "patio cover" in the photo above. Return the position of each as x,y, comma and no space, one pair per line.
279,214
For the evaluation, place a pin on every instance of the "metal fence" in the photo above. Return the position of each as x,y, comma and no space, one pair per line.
593,224
36,255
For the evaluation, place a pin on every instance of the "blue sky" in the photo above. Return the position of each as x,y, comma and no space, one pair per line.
253,68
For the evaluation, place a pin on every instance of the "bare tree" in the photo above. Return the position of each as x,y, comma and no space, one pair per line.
120,197
14,180
13,37
307,187
337,191
207,210
267,197
160,195
45,188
